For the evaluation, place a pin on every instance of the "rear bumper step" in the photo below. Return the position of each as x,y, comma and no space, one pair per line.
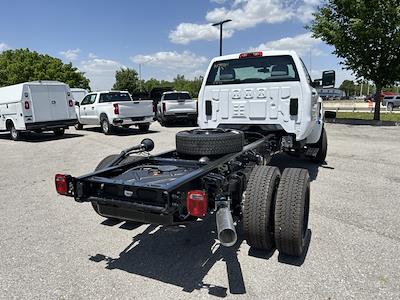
134,215
51,124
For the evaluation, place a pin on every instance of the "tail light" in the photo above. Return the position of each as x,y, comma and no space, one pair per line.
164,108
71,103
196,202
116,108
251,54
62,182
26,105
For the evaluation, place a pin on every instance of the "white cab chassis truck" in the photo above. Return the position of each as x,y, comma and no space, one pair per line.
270,92
36,106
251,106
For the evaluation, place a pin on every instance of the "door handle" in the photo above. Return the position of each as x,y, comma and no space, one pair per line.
92,108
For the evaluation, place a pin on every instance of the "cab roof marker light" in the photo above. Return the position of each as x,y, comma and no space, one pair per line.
251,54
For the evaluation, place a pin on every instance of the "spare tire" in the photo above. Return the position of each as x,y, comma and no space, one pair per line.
209,141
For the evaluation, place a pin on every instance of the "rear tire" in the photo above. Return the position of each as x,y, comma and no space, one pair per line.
209,141
106,127
258,207
59,132
15,134
292,211
144,127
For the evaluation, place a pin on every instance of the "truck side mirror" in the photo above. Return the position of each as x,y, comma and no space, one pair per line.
328,78
316,83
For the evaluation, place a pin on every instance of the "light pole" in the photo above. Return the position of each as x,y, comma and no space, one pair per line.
220,24
140,72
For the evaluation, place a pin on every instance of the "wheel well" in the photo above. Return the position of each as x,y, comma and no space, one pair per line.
9,124
103,116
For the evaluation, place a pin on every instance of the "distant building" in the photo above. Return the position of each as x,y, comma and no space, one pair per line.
327,93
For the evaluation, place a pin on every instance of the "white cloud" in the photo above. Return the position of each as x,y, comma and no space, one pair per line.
167,64
92,55
249,13
244,14
218,1
100,71
4,47
71,54
301,43
304,12
188,32
172,60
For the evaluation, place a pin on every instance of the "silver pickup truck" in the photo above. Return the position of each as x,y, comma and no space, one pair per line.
175,106
391,101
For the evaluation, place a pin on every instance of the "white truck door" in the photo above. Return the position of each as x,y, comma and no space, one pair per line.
40,103
83,108
91,111
58,102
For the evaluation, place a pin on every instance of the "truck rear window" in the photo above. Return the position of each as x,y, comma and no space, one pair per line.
177,96
253,70
114,97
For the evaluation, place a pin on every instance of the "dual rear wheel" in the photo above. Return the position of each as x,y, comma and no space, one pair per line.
276,209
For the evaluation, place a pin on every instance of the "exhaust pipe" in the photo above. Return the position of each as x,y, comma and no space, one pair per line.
225,228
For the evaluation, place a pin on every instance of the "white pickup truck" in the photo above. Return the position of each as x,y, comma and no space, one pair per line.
111,109
175,106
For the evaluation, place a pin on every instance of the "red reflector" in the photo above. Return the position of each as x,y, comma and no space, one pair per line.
26,104
62,183
70,103
196,203
116,108
250,54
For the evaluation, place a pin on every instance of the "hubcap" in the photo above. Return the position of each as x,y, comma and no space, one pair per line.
105,126
14,132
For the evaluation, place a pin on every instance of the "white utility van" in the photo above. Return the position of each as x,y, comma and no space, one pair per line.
78,94
36,106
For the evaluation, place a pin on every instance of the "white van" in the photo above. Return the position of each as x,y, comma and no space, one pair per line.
36,106
78,94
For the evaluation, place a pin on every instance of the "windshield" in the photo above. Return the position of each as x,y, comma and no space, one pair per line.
253,70
114,97
177,96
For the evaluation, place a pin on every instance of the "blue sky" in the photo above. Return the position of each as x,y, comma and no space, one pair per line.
166,37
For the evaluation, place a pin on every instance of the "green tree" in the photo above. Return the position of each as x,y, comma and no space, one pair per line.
348,87
127,80
22,65
366,36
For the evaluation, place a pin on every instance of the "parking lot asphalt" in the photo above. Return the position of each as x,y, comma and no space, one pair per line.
54,248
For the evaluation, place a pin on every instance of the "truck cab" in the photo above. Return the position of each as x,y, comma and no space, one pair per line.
269,91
